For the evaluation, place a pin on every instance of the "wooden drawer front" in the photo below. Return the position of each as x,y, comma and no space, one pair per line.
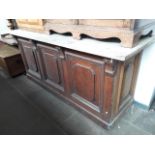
62,21
34,22
28,52
51,66
85,77
117,23
30,23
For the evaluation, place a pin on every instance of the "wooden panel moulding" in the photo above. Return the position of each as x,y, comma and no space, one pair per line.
29,56
85,79
51,66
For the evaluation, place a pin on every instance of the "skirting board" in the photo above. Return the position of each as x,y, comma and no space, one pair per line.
140,105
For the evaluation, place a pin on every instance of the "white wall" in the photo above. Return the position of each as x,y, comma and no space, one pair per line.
3,26
146,79
4,29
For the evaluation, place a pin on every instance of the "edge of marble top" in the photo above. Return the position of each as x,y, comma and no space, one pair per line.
99,48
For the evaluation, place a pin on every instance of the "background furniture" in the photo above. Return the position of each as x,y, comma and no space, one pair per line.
30,24
11,61
128,31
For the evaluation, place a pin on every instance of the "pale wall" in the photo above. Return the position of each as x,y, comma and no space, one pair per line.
146,79
3,26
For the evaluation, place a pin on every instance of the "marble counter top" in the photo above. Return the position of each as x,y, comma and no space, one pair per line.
100,48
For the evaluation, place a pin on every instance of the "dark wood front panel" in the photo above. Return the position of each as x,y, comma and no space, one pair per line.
85,87
85,77
51,66
28,52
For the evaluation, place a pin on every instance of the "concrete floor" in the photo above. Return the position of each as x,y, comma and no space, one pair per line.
26,108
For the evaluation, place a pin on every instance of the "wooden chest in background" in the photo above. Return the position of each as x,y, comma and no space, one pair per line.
11,61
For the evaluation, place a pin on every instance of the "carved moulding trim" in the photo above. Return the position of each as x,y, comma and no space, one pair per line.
125,35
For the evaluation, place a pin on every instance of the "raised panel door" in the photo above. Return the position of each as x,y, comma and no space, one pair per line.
51,66
86,80
28,52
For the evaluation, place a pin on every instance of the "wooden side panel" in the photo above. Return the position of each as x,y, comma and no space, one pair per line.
128,74
51,66
135,74
86,76
29,57
127,83
119,23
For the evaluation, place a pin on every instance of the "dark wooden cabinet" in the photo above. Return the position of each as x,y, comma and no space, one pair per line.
51,66
30,57
100,87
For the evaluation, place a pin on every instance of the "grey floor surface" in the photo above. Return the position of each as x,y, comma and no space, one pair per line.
28,109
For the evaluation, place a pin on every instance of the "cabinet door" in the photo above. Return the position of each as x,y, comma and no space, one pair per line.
86,80
51,66
28,52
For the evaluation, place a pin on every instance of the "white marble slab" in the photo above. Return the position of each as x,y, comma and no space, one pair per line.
100,48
